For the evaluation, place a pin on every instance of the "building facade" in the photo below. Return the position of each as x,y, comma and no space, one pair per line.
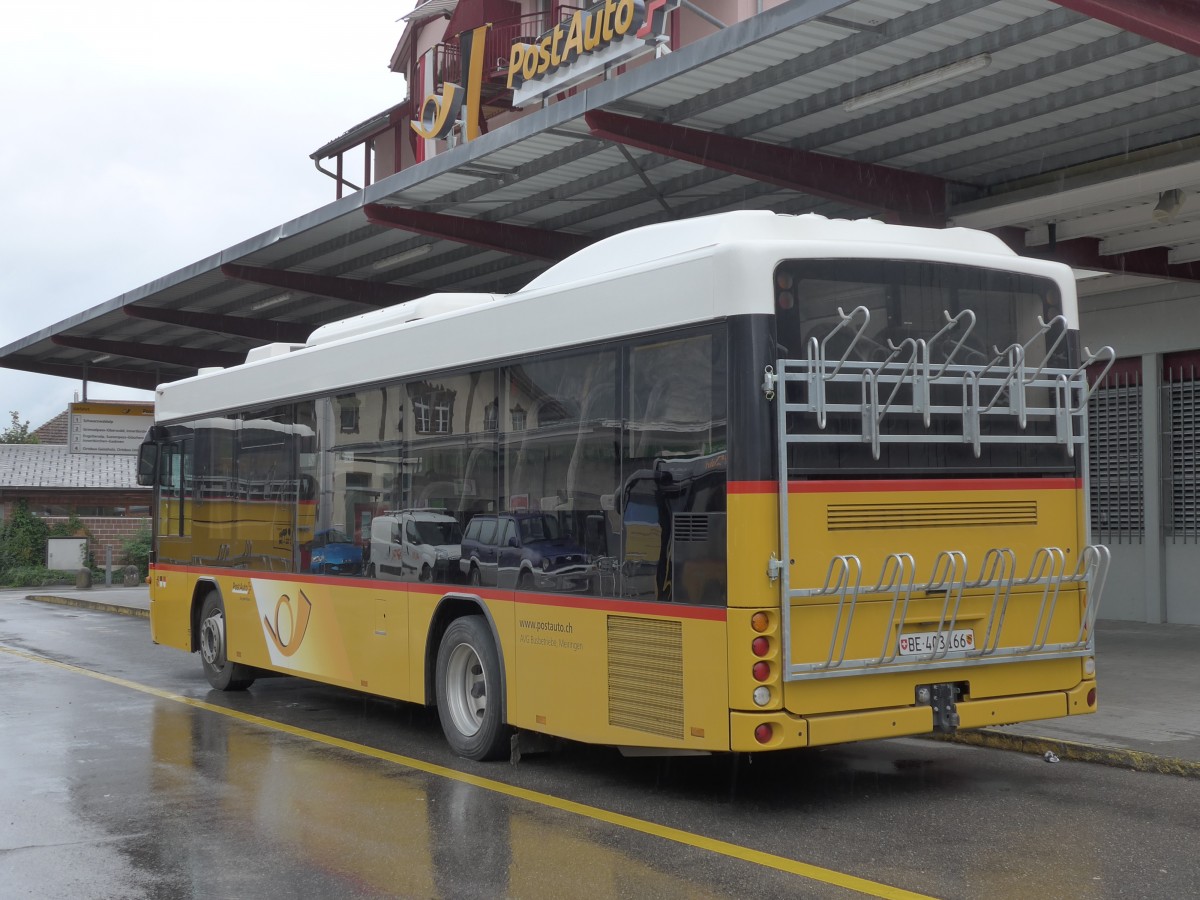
98,489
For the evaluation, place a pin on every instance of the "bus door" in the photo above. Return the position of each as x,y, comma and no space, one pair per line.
173,507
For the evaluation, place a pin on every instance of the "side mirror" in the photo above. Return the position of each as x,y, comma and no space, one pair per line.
147,465
513,542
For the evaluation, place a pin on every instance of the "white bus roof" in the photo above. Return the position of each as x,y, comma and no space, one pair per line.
646,280
652,243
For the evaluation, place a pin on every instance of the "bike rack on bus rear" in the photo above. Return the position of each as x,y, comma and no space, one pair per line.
1007,388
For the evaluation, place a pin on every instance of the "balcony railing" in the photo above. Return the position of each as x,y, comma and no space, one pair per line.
500,38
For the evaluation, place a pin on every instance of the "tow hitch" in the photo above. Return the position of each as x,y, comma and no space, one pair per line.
943,698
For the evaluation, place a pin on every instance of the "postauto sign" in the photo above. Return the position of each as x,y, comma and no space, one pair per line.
608,32
603,34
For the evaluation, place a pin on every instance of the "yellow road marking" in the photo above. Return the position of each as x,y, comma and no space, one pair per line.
723,848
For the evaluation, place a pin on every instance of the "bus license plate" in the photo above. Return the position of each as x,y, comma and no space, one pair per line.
924,643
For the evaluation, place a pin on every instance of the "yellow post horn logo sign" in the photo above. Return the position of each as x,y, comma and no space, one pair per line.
288,632
440,112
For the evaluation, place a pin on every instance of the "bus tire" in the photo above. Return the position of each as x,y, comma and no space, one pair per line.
220,672
469,693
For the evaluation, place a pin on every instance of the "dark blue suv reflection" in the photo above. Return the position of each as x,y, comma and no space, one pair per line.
523,550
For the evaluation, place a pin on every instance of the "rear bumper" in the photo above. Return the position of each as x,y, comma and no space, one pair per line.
789,731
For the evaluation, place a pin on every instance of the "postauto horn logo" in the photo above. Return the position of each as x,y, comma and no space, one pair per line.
287,631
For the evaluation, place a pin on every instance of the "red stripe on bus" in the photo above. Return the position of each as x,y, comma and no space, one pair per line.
599,604
645,608
916,484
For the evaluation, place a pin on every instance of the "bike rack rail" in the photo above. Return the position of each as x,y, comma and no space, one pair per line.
907,384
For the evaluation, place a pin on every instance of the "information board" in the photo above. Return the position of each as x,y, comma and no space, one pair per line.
116,428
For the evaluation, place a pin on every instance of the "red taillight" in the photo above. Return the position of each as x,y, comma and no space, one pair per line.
763,733
1092,697
760,646
762,671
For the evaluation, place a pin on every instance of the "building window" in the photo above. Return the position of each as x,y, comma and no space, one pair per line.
348,413
421,415
491,416
518,417
433,409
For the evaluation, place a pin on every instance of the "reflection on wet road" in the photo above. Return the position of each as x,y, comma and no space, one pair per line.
124,777
400,827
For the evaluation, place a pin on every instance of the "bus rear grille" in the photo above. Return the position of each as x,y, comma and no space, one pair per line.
987,514
645,675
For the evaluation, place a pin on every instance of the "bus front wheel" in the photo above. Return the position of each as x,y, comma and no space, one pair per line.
214,649
468,691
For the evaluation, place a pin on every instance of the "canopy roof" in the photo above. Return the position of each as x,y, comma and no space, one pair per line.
1058,126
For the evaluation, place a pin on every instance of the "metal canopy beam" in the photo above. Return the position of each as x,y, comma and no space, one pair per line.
144,381
352,290
1084,253
159,353
909,196
1175,23
255,329
517,239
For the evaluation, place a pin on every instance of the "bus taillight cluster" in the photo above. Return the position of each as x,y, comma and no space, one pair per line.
764,669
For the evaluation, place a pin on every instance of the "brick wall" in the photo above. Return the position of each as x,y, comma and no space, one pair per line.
107,532
41,501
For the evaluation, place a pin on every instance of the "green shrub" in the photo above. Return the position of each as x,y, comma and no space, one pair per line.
137,551
35,576
23,539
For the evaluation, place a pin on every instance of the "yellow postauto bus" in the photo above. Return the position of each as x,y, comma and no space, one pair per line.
737,483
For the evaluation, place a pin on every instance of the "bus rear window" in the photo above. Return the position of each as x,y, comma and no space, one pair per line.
907,299
897,311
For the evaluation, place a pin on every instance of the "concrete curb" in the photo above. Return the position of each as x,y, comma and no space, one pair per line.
1117,757
97,605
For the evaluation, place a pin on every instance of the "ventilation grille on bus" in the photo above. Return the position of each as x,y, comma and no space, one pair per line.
987,514
645,675
690,527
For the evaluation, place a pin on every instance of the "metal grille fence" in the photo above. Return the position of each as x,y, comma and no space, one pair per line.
1181,494
1115,462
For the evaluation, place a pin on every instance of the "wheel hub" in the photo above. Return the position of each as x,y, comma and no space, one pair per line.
212,640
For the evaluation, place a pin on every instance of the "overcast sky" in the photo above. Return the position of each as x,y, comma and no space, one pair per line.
143,136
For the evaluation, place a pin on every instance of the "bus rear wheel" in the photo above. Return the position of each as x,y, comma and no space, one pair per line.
214,649
469,696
